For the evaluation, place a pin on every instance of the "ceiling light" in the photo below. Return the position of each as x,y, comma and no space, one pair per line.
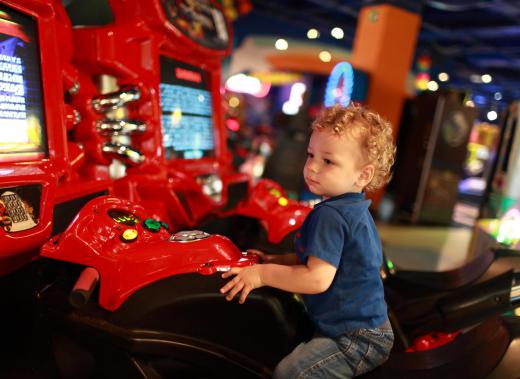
234,101
470,103
337,33
486,78
242,83
498,96
325,56
432,85
281,44
313,33
492,115
443,77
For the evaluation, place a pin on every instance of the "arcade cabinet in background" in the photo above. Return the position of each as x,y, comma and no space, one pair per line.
503,187
431,150
285,164
499,214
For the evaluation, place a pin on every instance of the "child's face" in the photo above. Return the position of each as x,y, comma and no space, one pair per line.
333,164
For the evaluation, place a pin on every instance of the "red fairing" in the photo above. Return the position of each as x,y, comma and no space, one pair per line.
278,214
110,235
432,341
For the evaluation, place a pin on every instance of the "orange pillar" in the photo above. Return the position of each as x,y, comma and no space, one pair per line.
384,46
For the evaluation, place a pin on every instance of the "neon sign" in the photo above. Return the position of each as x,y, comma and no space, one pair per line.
339,85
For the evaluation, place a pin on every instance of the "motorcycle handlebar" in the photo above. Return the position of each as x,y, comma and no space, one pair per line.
85,285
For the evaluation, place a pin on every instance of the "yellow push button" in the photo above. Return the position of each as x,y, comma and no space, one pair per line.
129,235
283,201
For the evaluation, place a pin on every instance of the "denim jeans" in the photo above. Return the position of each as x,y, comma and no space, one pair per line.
349,355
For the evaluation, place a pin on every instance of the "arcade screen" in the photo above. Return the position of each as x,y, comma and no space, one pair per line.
200,20
186,104
22,134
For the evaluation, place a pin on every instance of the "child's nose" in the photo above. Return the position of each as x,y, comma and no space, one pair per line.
312,166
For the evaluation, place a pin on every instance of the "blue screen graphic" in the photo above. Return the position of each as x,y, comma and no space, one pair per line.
187,114
22,134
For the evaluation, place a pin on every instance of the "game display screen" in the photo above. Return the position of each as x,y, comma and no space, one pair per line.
200,20
22,132
186,105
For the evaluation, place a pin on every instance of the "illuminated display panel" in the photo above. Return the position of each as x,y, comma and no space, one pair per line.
187,117
200,20
22,129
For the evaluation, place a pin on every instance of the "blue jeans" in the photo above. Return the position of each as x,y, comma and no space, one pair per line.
349,355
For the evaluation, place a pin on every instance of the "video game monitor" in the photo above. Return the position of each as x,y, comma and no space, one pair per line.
22,129
187,113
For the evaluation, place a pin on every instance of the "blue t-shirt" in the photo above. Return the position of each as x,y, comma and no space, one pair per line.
341,231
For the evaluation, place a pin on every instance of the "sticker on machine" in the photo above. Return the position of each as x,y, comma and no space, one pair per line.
16,214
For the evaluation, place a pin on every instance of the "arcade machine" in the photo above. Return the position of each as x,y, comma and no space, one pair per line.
493,256
161,277
502,190
431,149
146,304
499,212
40,190
457,333
152,119
38,162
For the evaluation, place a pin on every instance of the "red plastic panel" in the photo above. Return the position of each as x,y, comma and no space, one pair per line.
111,236
29,186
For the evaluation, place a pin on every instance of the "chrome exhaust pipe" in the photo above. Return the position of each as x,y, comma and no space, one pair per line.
124,153
120,127
117,99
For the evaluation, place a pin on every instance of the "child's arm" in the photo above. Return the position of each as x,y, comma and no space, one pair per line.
314,277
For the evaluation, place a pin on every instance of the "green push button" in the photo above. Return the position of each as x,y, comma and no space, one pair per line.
152,225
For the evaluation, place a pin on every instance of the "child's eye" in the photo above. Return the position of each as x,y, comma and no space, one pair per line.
310,155
327,161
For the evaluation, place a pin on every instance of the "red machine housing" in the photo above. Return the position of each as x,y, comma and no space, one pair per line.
129,249
39,183
129,52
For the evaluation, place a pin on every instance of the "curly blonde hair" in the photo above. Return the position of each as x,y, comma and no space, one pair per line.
372,131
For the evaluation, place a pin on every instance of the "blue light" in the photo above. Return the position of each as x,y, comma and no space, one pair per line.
479,99
339,95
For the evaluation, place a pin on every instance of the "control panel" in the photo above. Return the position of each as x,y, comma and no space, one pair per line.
129,249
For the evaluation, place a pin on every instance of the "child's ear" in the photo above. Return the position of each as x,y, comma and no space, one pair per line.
365,175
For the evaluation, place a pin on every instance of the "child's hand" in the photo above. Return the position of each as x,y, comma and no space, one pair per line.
246,279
